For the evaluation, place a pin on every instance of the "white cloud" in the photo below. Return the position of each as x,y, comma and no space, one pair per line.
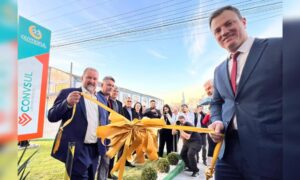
196,40
273,30
291,9
156,54
196,43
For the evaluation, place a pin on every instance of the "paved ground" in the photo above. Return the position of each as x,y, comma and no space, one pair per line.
187,175
50,131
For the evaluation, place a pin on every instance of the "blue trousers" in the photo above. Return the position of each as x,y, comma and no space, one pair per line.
231,166
85,166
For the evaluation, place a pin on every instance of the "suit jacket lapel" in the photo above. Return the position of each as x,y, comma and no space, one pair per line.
82,104
101,111
120,106
254,55
225,76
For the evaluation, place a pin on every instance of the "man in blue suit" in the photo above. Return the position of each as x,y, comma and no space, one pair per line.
82,129
247,101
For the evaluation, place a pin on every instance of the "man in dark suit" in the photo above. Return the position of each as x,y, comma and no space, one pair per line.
247,101
199,115
115,103
128,111
82,129
291,98
107,86
130,114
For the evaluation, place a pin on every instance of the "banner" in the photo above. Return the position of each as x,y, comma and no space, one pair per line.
33,60
8,59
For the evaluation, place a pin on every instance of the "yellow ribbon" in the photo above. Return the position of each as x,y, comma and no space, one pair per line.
139,136
61,129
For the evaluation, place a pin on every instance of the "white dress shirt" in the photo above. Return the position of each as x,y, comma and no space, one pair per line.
92,115
199,116
244,50
174,118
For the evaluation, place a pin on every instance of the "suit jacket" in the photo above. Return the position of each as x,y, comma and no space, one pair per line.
126,114
257,106
196,120
120,106
76,130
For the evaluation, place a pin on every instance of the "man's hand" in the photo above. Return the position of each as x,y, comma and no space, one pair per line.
174,131
218,127
185,135
73,98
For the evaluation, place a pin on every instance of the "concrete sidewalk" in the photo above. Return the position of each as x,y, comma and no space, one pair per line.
184,175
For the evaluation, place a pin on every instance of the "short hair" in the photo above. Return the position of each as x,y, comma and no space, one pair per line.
181,117
116,88
108,78
199,105
182,105
208,82
219,11
88,69
152,100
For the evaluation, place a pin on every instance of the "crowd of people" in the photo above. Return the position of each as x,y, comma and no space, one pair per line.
90,116
242,84
166,137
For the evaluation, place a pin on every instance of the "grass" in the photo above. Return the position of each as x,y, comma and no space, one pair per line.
43,166
136,172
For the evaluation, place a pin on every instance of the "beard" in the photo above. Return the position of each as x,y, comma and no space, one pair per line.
91,88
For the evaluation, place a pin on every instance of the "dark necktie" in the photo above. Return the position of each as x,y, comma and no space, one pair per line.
234,71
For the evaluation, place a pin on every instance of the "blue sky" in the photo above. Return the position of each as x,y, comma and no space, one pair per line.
163,62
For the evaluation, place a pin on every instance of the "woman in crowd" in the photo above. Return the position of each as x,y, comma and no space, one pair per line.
165,135
138,109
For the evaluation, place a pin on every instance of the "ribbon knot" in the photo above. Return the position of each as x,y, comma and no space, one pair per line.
135,136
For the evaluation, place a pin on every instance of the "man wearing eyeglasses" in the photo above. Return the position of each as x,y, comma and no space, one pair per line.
128,111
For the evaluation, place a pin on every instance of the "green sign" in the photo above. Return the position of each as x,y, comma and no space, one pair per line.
33,39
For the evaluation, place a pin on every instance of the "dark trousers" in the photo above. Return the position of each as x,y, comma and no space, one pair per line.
211,146
23,143
85,165
120,153
165,137
175,142
103,166
203,148
188,154
231,167
111,165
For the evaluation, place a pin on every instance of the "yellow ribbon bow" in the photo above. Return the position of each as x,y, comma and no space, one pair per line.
139,136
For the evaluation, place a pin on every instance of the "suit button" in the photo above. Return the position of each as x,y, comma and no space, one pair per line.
237,103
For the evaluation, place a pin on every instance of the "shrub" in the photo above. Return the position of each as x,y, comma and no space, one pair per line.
149,173
163,165
173,158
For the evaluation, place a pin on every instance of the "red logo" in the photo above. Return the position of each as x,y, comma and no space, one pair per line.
24,119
